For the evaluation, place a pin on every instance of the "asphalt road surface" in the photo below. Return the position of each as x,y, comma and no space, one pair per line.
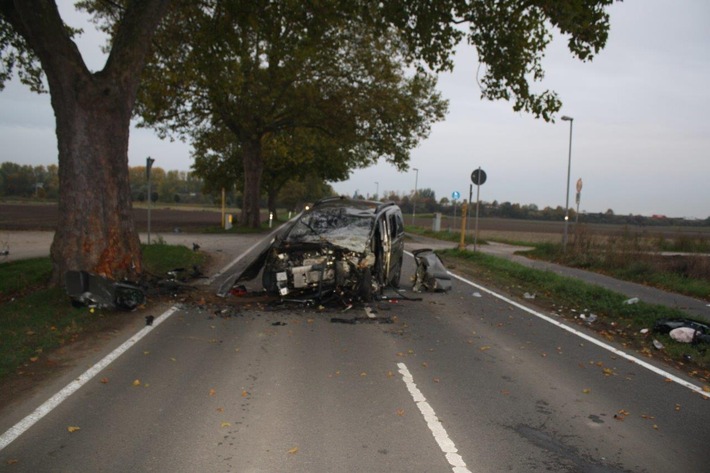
464,381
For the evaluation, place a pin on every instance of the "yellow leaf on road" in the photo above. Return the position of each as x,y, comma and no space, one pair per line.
293,451
136,382
72,428
226,424
212,392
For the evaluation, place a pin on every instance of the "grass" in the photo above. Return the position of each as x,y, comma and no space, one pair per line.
36,319
442,235
569,297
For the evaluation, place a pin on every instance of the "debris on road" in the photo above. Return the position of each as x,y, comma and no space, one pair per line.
92,290
431,274
657,345
633,300
527,295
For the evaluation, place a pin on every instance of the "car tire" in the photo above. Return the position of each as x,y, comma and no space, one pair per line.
365,291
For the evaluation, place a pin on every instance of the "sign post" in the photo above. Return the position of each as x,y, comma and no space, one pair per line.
148,165
478,177
455,195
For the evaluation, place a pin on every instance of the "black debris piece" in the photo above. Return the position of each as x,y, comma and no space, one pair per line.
149,319
92,290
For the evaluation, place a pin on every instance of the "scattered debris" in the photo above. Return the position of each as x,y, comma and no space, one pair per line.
657,345
149,319
644,331
195,247
279,324
590,319
431,275
476,294
633,300
93,290
527,295
696,332
361,320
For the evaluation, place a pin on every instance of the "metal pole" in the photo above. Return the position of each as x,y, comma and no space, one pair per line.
414,197
478,200
569,168
148,165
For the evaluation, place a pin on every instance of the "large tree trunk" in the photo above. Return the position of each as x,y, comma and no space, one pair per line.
95,232
253,168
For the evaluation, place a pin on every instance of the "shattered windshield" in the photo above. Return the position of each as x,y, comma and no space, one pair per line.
341,226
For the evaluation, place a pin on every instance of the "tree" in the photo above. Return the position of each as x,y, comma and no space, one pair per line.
266,69
93,112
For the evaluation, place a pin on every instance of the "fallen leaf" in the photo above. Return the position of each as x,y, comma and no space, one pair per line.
390,374
293,451
424,364
172,359
12,461
146,353
586,390
136,382
436,380
608,371
245,394
104,380
706,388
363,374
677,407
400,412
212,392
655,427
72,428
220,409
226,424
484,348
34,359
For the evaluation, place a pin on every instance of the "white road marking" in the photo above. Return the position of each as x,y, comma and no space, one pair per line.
446,445
589,338
22,426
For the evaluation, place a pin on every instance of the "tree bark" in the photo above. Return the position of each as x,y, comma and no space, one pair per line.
253,168
96,232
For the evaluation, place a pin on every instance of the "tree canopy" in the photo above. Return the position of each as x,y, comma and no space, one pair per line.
246,43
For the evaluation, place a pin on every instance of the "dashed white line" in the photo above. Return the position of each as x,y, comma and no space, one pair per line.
21,427
446,445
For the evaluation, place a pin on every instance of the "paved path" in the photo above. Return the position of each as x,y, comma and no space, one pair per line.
693,307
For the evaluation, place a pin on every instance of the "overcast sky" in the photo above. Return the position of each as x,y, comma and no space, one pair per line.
641,133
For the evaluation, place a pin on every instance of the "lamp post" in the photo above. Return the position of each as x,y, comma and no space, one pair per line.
569,167
149,164
414,197
377,190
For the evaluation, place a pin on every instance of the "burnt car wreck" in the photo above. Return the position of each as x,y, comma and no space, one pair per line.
339,247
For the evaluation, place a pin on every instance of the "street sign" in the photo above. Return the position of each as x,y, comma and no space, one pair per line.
579,185
478,177
456,195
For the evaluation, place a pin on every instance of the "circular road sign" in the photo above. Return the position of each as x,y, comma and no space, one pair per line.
478,177
455,195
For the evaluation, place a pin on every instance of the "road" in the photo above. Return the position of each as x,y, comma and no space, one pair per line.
464,381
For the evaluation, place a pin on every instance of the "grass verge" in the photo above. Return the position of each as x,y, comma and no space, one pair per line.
570,298
36,319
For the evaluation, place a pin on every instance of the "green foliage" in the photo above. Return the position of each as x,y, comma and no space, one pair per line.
159,258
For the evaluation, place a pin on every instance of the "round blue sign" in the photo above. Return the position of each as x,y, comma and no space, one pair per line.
455,195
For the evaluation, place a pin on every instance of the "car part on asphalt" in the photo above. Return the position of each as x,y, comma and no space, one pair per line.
431,274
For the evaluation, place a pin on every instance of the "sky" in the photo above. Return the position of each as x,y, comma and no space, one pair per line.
640,136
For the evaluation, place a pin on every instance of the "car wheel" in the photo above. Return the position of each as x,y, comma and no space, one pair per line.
365,291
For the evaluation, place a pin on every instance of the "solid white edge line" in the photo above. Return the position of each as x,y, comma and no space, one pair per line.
590,339
21,427
446,445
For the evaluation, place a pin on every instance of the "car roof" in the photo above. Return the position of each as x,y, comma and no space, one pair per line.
342,201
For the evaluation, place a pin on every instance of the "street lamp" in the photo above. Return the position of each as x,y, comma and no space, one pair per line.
569,167
414,197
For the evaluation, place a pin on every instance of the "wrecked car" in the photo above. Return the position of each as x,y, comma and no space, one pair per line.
339,245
